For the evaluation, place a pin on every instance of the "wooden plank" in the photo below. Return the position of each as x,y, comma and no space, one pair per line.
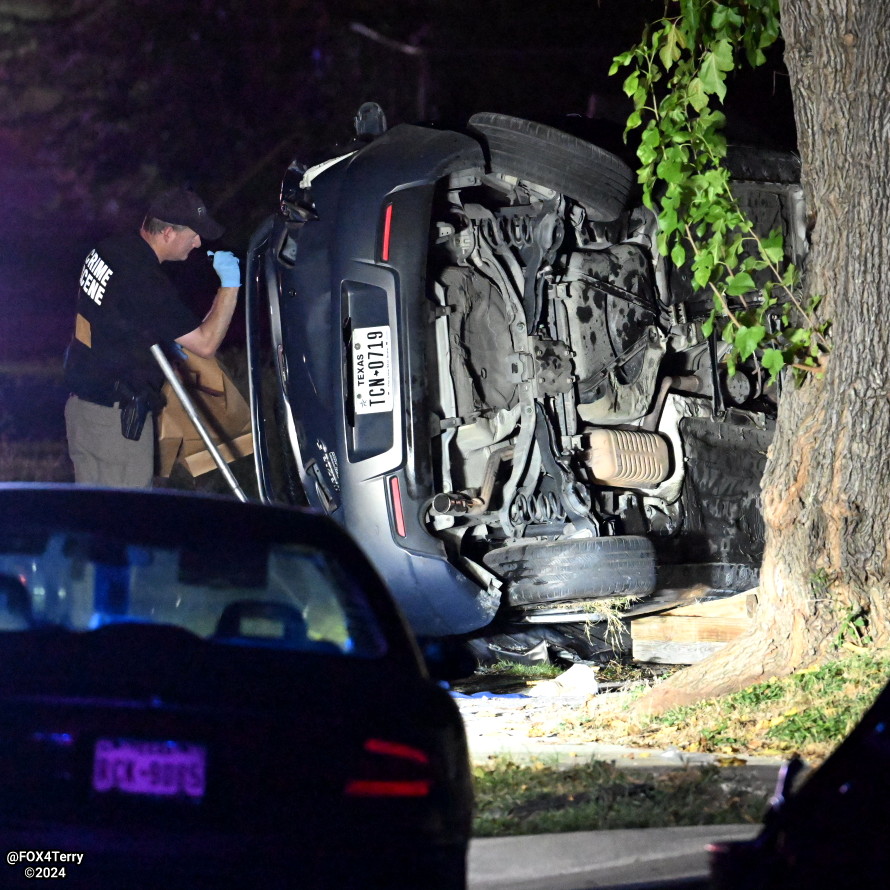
688,629
662,652
691,631
741,605
670,598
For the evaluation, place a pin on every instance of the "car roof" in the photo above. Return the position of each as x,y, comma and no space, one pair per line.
159,515
168,517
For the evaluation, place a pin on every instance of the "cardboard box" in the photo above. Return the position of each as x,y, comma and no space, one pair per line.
222,407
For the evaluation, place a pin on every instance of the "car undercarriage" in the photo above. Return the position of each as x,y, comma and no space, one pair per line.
578,436
585,423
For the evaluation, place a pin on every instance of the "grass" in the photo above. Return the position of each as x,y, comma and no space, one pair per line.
513,799
519,673
809,713
508,672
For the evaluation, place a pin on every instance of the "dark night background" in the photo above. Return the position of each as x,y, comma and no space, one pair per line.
104,102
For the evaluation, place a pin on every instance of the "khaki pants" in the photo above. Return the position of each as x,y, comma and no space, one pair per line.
100,454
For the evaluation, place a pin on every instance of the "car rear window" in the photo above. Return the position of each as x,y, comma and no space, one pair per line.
269,595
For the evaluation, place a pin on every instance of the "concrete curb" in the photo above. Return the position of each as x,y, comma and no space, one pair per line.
626,858
485,749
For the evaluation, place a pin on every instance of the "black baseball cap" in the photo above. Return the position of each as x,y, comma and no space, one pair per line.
182,207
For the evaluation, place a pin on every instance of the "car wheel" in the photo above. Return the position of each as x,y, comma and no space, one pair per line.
596,178
578,568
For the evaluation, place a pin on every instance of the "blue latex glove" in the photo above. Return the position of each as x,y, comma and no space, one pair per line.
225,263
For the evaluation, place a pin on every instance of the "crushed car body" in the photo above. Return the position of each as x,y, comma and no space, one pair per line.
484,370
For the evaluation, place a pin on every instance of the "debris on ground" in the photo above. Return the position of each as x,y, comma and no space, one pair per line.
579,679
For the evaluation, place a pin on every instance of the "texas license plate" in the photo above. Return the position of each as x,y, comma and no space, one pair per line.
151,768
371,370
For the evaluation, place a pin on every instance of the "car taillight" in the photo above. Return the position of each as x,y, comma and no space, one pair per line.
387,232
398,515
391,769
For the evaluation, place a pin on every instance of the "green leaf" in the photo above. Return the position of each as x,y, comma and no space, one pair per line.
701,276
668,222
711,121
773,361
799,337
748,339
678,255
670,170
695,94
651,135
620,61
728,334
631,83
724,18
740,284
789,278
756,57
691,21
670,49
676,73
723,55
680,136
707,327
702,270
647,154
773,246
715,64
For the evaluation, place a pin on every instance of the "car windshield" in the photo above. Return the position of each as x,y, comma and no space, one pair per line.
271,595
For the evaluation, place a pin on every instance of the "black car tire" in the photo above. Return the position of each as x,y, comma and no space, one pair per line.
537,153
578,568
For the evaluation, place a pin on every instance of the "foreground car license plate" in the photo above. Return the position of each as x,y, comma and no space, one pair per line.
371,370
153,768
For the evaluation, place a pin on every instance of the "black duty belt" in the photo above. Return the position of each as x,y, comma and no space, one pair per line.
109,402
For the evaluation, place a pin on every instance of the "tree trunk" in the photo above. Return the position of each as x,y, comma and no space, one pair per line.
827,480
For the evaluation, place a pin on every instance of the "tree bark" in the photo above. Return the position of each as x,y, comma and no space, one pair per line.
825,489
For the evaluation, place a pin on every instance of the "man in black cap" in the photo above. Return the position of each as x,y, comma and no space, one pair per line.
125,305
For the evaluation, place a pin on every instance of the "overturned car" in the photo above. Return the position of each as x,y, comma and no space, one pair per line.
484,370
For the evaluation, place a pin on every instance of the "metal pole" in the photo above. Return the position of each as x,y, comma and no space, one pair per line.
196,419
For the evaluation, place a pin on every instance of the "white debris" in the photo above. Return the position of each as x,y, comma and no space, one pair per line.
579,679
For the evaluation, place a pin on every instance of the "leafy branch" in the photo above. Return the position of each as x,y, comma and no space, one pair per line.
677,81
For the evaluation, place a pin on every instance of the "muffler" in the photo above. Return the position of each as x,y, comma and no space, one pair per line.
626,458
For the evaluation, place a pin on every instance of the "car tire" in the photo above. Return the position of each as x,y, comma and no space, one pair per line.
578,568
537,153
